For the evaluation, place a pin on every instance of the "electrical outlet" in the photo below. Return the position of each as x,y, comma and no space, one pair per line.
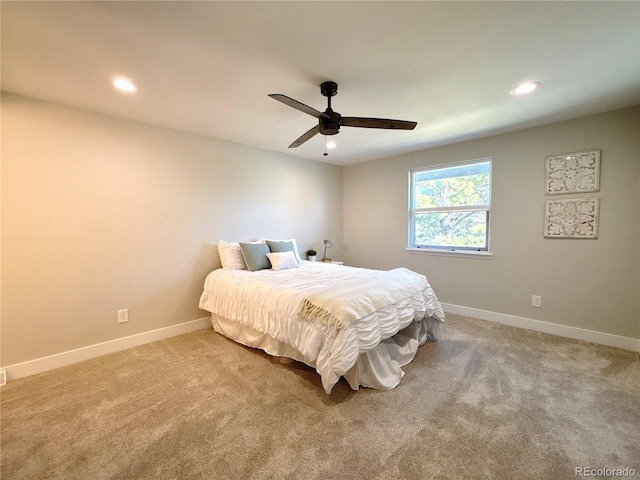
123,316
536,301
3,376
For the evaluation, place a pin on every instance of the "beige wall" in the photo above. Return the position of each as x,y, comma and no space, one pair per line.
101,214
590,284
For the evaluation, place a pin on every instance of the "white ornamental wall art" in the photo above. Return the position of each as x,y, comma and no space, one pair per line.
577,172
574,218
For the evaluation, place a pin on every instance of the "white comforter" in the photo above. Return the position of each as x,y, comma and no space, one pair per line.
269,302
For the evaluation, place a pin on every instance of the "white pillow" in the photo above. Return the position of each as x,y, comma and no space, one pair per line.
292,240
231,256
282,260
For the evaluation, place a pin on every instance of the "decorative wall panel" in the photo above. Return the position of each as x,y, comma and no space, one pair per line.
574,218
577,172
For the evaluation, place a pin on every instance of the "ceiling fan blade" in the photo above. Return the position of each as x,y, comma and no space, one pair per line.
305,136
377,123
297,105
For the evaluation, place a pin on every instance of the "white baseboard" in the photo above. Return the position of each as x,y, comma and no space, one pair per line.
618,341
40,365
44,364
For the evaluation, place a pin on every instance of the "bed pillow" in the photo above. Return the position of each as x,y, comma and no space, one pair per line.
281,246
231,256
282,260
255,256
292,241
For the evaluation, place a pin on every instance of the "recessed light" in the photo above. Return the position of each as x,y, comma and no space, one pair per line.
124,85
331,144
524,88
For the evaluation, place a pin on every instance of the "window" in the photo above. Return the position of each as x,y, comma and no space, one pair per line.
449,206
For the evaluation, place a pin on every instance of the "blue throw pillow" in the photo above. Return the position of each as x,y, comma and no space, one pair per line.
277,247
255,256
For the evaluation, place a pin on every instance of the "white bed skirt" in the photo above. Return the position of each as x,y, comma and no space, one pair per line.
379,368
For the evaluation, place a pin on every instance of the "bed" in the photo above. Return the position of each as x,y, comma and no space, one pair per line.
360,324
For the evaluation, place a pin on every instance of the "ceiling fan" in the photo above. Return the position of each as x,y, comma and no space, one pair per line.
329,122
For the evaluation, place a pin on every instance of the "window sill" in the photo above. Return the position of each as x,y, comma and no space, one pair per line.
451,253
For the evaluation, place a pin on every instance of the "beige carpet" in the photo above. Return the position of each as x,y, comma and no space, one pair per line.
486,401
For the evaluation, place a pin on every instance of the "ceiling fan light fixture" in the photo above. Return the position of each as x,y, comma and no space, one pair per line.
524,88
124,85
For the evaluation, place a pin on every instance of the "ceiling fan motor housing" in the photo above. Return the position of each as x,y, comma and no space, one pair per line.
331,125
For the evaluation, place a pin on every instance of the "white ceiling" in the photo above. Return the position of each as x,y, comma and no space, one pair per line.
207,67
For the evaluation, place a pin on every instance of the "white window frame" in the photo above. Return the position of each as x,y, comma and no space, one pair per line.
448,250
